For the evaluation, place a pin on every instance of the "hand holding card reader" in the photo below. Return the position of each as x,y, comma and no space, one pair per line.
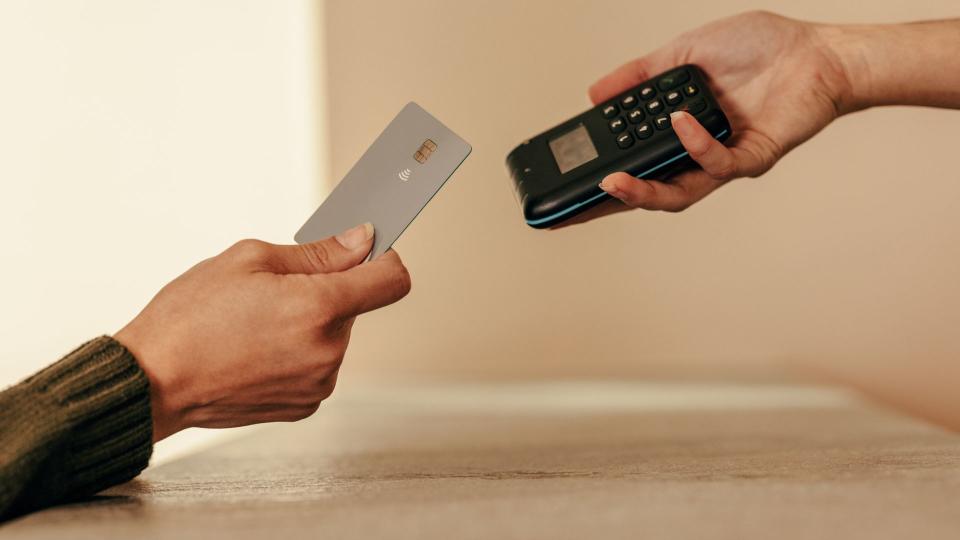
557,173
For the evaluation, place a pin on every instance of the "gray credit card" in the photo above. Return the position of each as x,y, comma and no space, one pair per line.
395,178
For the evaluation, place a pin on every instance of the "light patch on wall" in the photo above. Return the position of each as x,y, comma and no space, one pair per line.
138,138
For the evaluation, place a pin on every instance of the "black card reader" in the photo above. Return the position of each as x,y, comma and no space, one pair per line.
558,172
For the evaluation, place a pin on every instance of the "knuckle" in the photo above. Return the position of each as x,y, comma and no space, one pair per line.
725,171
324,382
699,149
301,413
317,254
682,202
760,14
637,194
769,158
678,207
326,391
762,154
309,410
331,361
250,249
760,163
715,159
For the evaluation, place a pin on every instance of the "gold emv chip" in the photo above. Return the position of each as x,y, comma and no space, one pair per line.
423,154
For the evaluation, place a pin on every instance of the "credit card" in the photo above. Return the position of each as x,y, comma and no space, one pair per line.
393,181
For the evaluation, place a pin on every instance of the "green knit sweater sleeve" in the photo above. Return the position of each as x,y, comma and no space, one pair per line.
77,427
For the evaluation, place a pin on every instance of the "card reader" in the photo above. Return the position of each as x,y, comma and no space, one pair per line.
558,172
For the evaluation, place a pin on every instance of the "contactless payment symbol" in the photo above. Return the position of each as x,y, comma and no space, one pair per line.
405,174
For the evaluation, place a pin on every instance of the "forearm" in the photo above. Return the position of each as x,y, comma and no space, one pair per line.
75,428
898,64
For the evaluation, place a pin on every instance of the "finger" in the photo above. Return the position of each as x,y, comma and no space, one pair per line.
631,74
713,157
684,190
333,254
369,286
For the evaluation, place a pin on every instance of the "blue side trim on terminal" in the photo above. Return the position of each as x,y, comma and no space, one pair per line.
574,206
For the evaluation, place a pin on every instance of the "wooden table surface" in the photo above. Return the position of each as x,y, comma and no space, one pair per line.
564,460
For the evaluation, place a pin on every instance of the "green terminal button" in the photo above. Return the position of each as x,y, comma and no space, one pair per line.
673,79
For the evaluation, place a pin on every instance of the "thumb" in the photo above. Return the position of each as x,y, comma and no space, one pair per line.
333,254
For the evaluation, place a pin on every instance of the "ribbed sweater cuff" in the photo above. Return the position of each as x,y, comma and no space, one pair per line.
84,423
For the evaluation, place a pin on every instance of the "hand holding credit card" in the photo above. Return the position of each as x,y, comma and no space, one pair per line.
392,182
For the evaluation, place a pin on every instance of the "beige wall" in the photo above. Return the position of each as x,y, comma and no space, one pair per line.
845,255
137,138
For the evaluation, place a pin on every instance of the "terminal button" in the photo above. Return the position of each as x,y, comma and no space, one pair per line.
635,116
655,106
673,79
695,106
644,131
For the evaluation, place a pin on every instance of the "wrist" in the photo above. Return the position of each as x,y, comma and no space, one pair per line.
898,64
850,47
166,415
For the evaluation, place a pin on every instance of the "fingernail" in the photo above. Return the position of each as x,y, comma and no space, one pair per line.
355,237
682,127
